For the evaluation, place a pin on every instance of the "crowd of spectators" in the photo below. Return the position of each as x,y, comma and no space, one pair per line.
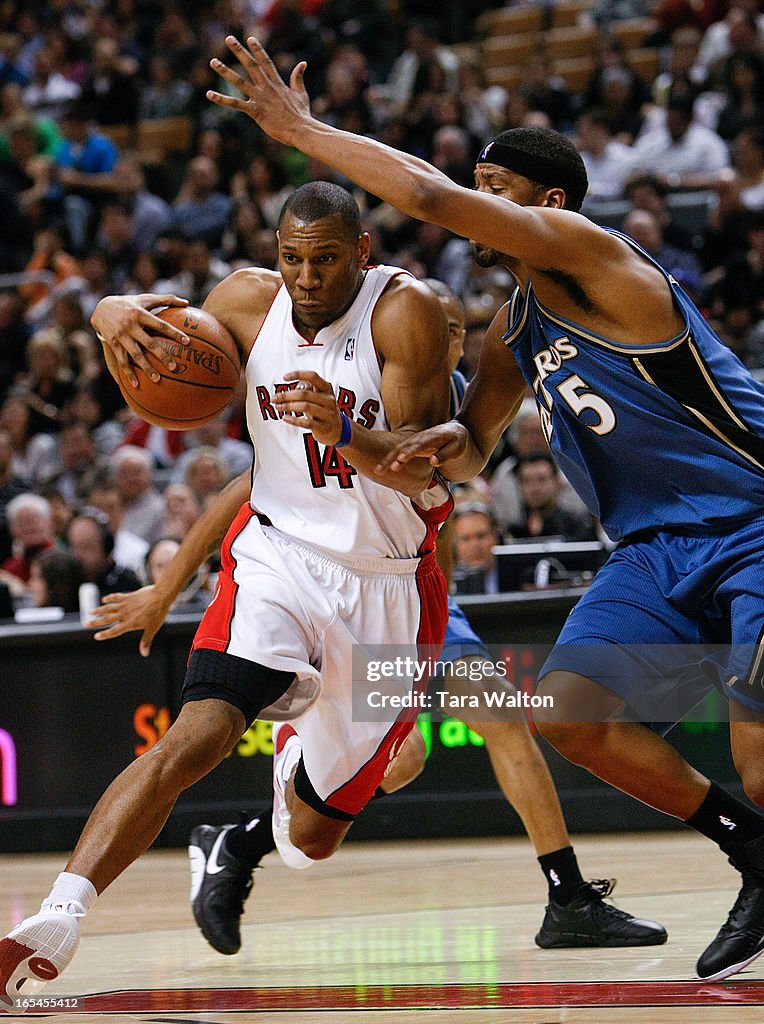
92,202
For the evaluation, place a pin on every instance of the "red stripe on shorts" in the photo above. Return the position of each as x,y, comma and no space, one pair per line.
214,631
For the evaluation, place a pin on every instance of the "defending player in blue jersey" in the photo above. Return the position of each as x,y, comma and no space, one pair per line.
656,424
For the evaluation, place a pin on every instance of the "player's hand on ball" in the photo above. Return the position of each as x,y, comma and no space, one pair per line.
311,404
128,329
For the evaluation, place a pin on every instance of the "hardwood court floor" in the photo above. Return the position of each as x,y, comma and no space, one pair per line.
420,933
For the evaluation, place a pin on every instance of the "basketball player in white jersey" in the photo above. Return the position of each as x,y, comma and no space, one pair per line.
325,554
223,858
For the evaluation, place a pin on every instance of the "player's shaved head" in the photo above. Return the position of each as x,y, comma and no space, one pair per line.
320,199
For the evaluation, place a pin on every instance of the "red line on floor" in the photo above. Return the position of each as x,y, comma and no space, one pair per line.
403,997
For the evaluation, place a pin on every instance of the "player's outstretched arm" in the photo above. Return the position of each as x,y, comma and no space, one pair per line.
462,447
147,608
127,329
406,182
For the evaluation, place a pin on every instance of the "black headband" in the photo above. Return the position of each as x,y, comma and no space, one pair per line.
534,168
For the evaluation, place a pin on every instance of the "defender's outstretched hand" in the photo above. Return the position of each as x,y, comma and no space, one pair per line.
440,445
277,109
144,609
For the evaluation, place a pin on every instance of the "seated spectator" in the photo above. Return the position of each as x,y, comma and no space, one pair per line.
33,454
10,72
740,28
237,455
11,486
48,385
681,153
78,464
682,69
200,274
49,92
14,335
86,406
525,437
30,523
49,254
544,90
647,192
741,191
55,579
62,511
84,162
607,161
644,227
542,513
422,48
27,145
206,472
182,509
744,88
624,120
165,94
111,88
67,316
199,209
613,69
149,214
159,557
197,593
114,236
474,536
92,543
134,479
144,275
130,550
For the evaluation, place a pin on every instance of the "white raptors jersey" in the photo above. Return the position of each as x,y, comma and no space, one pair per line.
307,489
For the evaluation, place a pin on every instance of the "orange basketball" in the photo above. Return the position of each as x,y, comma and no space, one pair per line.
203,382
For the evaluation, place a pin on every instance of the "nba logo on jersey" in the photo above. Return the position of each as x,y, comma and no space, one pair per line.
349,349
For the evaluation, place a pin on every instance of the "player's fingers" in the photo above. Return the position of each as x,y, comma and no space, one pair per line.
240,83
310,377
144,644
256,67
116,629
150,300
134,345
232,102
297,78
263,63
157,326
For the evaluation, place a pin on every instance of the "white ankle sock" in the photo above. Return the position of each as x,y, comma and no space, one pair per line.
71,894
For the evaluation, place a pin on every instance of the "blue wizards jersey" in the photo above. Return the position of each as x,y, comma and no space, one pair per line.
668,435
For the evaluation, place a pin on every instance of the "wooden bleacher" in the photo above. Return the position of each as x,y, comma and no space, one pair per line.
565,35
159,138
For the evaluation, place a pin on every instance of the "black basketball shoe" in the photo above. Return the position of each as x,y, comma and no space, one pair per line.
589,921
741,938
220,885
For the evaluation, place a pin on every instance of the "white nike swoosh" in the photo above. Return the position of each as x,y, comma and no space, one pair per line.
212,861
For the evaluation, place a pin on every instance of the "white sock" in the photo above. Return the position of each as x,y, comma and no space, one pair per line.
71,894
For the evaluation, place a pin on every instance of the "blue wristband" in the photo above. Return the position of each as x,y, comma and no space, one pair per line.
347,430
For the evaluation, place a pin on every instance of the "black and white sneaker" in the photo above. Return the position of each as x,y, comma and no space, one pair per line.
741,938
589,921
220,884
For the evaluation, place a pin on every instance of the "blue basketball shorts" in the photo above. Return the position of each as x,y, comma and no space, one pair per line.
658,591
461,640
